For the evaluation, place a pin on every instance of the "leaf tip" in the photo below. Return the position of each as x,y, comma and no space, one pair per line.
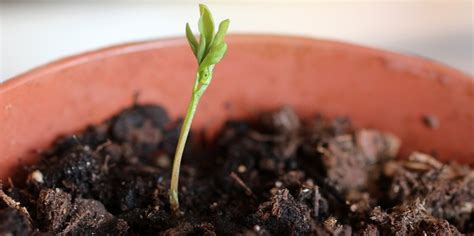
203,8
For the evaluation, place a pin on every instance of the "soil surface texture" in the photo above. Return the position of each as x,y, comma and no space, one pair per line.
271,175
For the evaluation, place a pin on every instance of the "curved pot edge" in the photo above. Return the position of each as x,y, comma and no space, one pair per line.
131,47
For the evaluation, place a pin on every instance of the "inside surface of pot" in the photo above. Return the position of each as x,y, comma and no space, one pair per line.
377,89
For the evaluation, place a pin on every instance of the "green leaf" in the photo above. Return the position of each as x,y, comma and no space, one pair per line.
191,40
201,49
223,26
216,53
206,24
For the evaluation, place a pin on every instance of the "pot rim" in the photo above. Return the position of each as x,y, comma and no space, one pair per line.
137,46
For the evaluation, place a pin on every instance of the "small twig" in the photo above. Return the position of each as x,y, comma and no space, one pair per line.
78,142
13,204
239,181
136,96
105,166
317,198
102,146
10,182
265,137
323,182
291,146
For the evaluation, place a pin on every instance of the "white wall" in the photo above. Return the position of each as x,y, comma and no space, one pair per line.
34,33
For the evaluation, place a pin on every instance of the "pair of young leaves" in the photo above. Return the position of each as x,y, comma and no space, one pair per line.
211,47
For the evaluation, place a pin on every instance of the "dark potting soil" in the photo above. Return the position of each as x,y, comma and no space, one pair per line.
274,175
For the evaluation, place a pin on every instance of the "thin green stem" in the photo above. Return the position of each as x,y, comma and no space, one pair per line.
208,51
198,90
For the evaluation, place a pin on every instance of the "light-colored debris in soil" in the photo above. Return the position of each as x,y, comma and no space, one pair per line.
241,169
422,162
36,176
278,184
163,161
425,158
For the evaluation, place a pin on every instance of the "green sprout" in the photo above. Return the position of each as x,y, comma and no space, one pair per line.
208,51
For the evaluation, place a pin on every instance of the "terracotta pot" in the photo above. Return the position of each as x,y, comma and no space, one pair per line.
377,89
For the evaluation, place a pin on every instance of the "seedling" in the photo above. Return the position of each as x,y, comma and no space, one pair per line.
208,51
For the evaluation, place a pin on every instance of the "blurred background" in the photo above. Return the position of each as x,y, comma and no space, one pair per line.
33,33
